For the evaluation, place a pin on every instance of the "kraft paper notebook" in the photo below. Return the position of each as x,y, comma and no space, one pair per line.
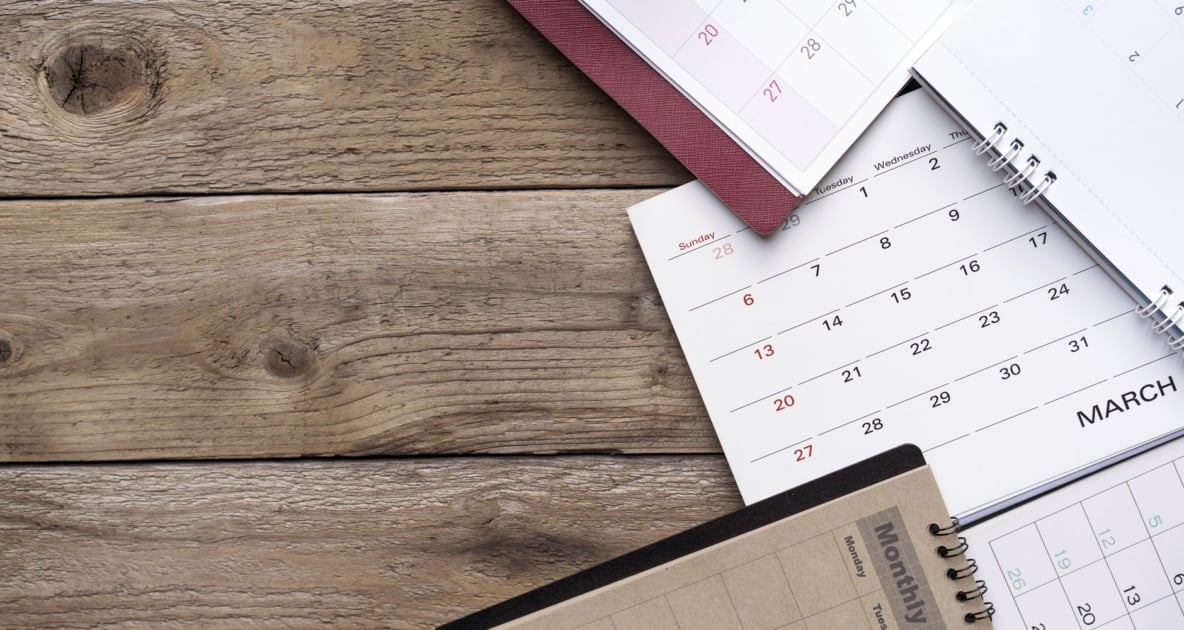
1081,106
869,546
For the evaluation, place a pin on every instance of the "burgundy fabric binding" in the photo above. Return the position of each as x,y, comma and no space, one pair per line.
693,138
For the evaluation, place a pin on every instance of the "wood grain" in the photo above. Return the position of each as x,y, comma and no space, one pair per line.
129,97
281,326
404,544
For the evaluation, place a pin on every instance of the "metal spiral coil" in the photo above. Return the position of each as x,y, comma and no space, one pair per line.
976,591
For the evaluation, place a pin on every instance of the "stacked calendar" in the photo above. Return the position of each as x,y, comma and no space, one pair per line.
919,300
794,82
916,297
1082,106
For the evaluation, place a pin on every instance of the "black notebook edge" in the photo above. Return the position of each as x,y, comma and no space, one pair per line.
840,483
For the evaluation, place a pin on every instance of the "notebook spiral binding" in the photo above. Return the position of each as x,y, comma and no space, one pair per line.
1007,153
1169,320
974,590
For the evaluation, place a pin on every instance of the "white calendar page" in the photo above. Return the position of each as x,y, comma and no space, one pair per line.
1105,552
1094,89
915,301
794,82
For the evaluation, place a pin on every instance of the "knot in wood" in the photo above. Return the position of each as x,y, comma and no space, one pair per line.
87,78
10,349
287,358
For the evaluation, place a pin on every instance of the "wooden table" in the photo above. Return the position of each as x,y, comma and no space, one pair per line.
323,312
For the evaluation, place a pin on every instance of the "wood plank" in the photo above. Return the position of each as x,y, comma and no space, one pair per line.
280,326
370,543
128,97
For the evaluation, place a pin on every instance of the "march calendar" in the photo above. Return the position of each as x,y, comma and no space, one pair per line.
912,298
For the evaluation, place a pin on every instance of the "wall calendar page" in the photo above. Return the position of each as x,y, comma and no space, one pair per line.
914,299
1106,552
795,83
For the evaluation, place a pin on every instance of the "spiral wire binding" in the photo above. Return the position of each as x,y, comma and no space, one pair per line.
987,143
1168,322
1050,178
1158,303
977,588
1026,173
1170,319
1006,157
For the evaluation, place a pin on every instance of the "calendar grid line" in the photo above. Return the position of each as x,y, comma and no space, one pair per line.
932,389
746,405
838,51
782,449
728,295
1062,338
983,192
743,347
832,371
1077,391
692,34
980,371
1089,268
896,28
1029,590
840,189
966,317
1124,542
796,326
1104,559
1011,417
1046,284
1172,592
1064,591
850,422
897,345
995,556
877,293
931,212
1139,367
1112,318
794,268
957,142
1150,537
946,443
862,240
1133,69
1014,238
949,264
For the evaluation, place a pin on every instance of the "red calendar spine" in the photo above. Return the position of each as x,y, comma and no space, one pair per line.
694,139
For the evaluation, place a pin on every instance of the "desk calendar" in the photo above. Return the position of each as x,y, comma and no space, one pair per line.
1105,552
913,300
794,82
1081,104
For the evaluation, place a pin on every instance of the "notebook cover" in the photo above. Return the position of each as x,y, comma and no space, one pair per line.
840,483
693,138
